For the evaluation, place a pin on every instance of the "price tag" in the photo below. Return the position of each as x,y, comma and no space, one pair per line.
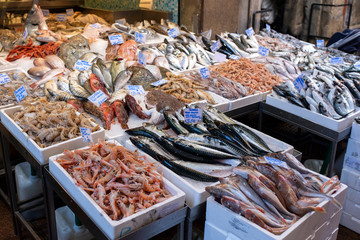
25,34
61,17
159,83
193,115
336,60
20,93
82,65
276,162
95,25
357,64
70,12
4,78
139,37
204,72
182,63
215,46
98,97
45,12
320,43
299,83
86,134
135,89
174,32
263,51
116,39
219,57
250,32
142,58
235,57
268,28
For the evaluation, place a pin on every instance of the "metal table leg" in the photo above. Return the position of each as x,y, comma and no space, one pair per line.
180,231
332,159
50,207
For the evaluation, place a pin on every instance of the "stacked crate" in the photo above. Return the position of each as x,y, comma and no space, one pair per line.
351,176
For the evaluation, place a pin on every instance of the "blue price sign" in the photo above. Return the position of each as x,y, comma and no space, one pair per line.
235,57
98,97
263,51
268,28
20,93
159,83
142,58
139,37
95,25
61,17
45,12
320,43
25,34
215,46
70,12
357,64
86,134
193,115
336,60
250,32
116,39
205,73
174,32
82,65
276,162
136,89
299,83
4,78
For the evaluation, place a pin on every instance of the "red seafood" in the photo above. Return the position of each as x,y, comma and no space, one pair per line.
134,107
109,115
121,113
96,84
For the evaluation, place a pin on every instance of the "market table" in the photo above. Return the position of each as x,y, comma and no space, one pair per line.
334,136
176,218
18,219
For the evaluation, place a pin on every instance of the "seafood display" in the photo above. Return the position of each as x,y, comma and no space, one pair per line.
198,147
9,39
185,90
50,123
274,191
254,76
121,182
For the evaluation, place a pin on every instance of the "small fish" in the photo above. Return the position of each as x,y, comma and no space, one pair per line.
121,79
173,61
108,114
48,76
121,113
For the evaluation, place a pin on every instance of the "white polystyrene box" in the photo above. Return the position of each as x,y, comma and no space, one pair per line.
116,229
352,194
42,154
352,207
353,148
350,222
352,162
245,101
304,228
336,125
211,232
355,131
351,178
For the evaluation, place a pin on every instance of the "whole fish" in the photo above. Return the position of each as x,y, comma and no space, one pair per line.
115,68
174,123
77,90
54,61
135,107
121,113
96,84
173,61
91,108
48,76
121,79
108,114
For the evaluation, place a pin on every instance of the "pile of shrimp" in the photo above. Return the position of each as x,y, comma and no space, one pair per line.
48,123
33,51
120,181
252,75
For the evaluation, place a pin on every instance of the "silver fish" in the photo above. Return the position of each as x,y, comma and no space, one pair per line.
121,79
174,62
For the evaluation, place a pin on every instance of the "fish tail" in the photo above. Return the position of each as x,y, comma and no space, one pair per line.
319,209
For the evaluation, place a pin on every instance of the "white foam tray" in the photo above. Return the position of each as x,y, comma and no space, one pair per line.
195,190
352,207
351,178
355,131
353,148
350,222
352,163
336,125
305,228
352,195
116,229
42,154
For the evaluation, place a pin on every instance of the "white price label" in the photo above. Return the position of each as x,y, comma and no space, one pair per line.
268,28
320,43
235,57
25,34
98,97
159,83
20,93
276,162
139,37
219,57
216,46
45,12
174,32
250,32
205,73
299,83
135,89
95,25
263,51
4,78
61,17
70,12
142,58
357,64
336,60
116,39
86,134
82,65
193,115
